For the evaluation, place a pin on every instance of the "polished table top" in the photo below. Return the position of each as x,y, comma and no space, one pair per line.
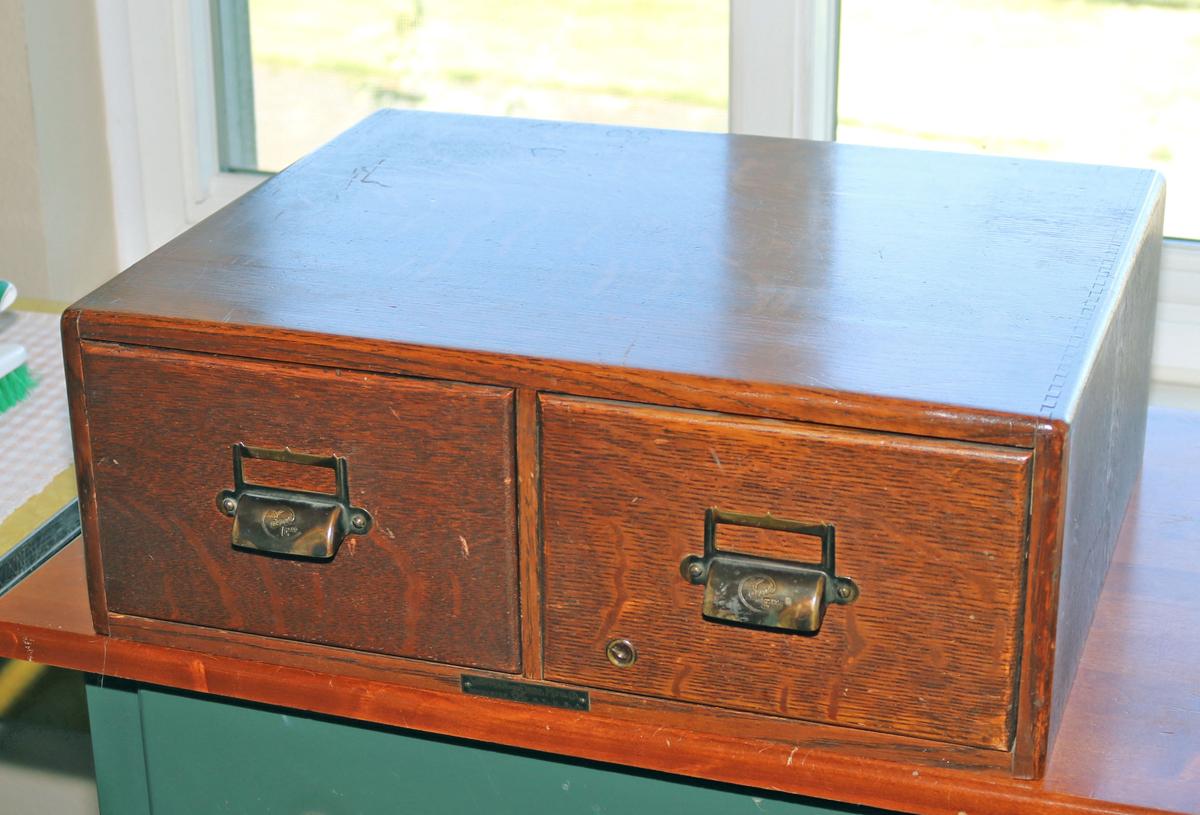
1130,740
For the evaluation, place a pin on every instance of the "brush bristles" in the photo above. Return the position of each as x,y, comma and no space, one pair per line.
15,386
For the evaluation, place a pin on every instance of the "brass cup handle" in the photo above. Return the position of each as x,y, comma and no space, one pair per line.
298,523
762,592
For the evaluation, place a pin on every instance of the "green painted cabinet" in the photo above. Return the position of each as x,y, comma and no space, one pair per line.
172,753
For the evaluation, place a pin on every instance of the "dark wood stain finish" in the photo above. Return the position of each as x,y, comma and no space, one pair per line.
835,276
1107,430
436,578
635,709
530,530
761,399
1041,599
81,437
1128,742
932,532
966,299
1089,463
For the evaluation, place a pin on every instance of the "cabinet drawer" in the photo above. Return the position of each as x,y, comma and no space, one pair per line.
931,536
432,573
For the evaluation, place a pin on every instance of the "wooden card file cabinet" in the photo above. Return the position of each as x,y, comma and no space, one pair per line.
770,441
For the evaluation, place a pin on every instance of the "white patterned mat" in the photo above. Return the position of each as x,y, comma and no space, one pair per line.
35,435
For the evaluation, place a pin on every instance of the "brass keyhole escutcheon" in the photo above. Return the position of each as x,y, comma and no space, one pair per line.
621,653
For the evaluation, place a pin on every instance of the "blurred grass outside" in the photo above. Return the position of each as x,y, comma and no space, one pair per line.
319,66
1099,81
1092,81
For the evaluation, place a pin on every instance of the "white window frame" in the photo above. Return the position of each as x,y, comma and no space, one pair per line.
164,148
161,121
1176,370
783,61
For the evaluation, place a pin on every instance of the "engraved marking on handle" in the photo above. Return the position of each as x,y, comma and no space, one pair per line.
758,591
280,522
764,592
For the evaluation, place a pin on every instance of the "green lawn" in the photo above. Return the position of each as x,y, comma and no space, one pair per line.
320,66
670,50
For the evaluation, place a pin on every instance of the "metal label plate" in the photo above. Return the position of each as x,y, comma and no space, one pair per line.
527,692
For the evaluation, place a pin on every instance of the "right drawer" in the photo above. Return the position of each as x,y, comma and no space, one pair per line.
684,556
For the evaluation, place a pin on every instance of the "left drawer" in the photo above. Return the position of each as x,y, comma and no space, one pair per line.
430,572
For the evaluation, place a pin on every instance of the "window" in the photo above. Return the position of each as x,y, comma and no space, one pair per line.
298,72
1092,81
1095,81
195,87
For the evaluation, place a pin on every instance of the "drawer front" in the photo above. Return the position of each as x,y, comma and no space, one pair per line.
433,576
930,539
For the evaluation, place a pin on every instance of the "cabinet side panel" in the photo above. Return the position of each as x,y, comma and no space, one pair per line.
1107,436
81,441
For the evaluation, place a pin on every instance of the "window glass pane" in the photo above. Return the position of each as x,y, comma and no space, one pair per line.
320,66
1098,81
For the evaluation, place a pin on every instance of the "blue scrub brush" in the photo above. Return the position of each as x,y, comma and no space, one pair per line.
15,380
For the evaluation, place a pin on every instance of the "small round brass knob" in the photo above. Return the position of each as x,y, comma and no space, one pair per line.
621,653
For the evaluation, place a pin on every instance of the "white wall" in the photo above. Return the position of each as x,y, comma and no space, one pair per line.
57,234
22,243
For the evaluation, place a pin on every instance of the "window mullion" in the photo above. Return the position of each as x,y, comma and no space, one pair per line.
234,80
783,60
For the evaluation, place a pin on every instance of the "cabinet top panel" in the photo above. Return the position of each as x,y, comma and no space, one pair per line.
978,282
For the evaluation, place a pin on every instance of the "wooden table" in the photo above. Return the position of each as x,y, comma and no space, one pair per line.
1130,741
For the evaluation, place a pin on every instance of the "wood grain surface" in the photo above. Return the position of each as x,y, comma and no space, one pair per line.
635,709
674,389
1129,741
84,476
435,578
944,297
1041,597
1107,432
820,268
529,513
933,533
